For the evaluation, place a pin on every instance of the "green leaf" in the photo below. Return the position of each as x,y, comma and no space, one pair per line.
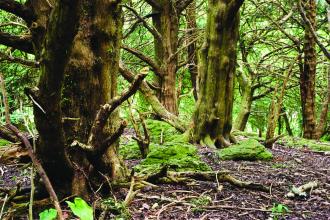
48,214
81,209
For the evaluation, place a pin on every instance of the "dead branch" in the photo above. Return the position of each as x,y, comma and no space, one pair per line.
39,169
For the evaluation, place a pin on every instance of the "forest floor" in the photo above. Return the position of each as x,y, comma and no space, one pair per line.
212,200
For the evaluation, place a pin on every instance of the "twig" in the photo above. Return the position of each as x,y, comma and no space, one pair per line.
39,169
3,205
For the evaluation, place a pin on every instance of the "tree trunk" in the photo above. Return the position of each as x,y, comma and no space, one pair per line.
246,103
91,81
307,76
192,48
166,21
287,124
78,75
48,115
213,115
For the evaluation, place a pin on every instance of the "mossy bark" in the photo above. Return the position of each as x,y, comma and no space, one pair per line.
166,21
91,81
61,30
308,74
213,115
78,75
246,103
192,48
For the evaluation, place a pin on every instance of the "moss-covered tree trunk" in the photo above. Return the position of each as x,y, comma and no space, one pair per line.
91,81
213,115
192,34
61,30
308,74
78,76
246,103
166,21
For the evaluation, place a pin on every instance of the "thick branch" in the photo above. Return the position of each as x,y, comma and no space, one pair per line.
23,43
234,6
159,109
105,111
17,9
144,58
153,3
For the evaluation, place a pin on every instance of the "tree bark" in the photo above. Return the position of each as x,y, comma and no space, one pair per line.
61,31
192,48
213,115
308,74
246,103
166,21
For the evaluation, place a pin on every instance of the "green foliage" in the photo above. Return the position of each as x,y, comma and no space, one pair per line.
246,150
81,209
117,208
279,210
178,157
48,214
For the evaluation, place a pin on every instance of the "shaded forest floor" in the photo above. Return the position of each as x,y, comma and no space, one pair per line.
212,200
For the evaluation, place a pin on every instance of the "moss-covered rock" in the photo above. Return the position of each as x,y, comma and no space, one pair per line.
246,150
162,132
296,142
178,157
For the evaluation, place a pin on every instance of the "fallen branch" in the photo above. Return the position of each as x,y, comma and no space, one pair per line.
302,190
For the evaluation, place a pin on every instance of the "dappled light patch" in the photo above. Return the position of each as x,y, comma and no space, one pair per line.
246,150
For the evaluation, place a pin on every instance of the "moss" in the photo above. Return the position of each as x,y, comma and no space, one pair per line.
161,132
249,135
199,203
4,142
246,150
296,142
178,157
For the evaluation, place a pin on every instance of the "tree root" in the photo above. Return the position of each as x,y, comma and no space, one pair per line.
170,177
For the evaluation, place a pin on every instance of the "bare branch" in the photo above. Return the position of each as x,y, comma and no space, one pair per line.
159,109
9,57
105,111
150,28
144,58
23,43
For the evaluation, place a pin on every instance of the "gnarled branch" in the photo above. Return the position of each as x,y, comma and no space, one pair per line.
17,9
23,43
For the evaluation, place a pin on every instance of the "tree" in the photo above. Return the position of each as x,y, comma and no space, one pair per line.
213,115
77,43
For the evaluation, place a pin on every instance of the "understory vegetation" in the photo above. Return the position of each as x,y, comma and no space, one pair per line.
164,109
